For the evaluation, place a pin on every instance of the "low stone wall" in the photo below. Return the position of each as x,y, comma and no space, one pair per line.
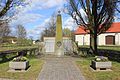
111,54
17,52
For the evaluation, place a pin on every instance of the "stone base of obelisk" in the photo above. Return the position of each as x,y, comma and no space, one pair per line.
59,53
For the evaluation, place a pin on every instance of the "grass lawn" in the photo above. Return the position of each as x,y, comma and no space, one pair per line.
115,48
31,74
84,65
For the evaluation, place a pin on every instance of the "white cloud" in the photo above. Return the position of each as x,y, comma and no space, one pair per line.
52,3
34,33
45,4
117,18
38,28
69,23
26,18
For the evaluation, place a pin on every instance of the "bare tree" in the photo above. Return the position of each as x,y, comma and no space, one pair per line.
21,32
7,7
4,30
21,35
51,26
50,29
67,32
97,18
118,7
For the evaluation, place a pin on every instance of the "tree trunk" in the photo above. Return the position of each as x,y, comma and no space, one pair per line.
93,44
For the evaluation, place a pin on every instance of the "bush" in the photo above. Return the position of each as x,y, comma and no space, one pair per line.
24,42
8,45
18,59
100,58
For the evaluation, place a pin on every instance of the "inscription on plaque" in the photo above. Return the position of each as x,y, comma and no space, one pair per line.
58,43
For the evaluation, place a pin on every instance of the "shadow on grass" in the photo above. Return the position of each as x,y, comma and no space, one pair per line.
4,60
111,54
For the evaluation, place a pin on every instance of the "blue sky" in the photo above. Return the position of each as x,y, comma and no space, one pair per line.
35,15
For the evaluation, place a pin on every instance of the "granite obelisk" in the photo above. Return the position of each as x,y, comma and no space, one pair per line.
59,36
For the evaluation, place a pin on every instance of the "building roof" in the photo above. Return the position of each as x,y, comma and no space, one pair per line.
80,30
115,27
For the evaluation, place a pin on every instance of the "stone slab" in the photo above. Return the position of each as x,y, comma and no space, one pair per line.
60,69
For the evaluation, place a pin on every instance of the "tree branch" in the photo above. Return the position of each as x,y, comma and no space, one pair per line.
6,8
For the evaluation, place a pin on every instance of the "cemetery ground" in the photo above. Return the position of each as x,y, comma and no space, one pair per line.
84,63
32,72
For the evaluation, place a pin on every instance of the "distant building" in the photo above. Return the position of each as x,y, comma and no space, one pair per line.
110,37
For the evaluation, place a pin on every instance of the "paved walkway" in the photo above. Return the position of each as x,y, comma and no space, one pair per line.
60,69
